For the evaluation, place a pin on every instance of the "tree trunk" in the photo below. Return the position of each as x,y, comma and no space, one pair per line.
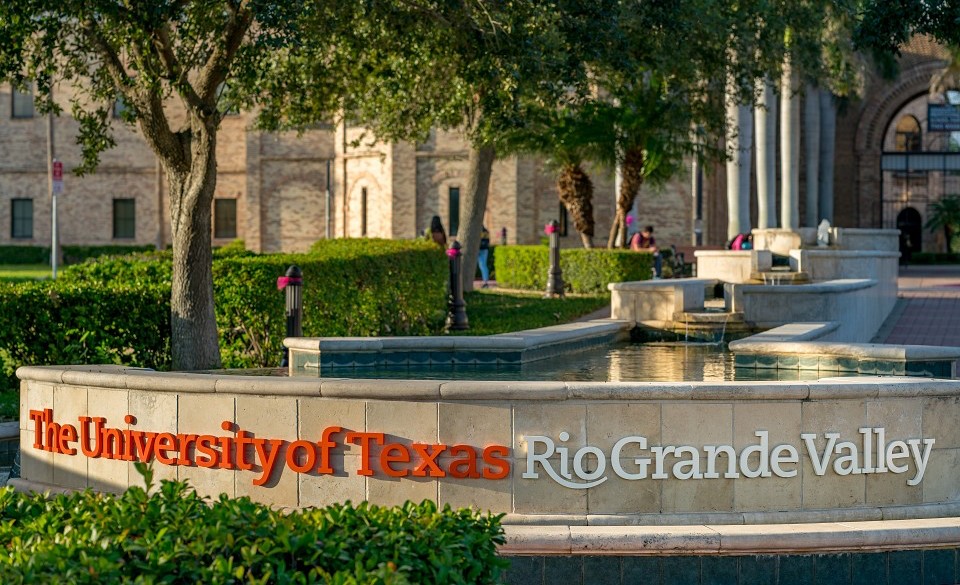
790,147
472,207
576,192
765,117
811,136
632,180
192,320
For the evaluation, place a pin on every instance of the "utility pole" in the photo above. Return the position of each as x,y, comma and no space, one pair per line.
54,185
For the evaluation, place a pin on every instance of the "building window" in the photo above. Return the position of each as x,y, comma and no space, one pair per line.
563,221
225,218
124,218
453,205
22,103
909,137
21,218
363,211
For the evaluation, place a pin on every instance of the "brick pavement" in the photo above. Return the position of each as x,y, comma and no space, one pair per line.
928,312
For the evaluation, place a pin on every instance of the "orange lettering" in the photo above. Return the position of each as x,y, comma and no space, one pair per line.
386,458
466,467
310,456
365,439
490,458
267,459
206,444
166,442
68,434
429,460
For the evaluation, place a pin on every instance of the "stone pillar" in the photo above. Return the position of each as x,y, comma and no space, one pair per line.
766,121
811,140
738,167
789,148
828,137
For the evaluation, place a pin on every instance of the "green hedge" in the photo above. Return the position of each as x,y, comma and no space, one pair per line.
117,310
584,271
71,254
61,322
177,537
24,255
934,258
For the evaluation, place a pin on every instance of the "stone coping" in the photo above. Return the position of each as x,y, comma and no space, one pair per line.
712,539
653,285
517,340
119,377
844,253
793,339
829,286
724,253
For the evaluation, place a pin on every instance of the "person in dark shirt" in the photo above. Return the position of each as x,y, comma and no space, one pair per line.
643,241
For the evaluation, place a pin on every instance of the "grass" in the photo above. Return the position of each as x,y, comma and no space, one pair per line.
494,311
23,272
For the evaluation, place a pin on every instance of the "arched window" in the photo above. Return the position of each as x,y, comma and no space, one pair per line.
909,136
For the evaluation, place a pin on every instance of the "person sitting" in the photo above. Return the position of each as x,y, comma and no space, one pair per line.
643,241
483,255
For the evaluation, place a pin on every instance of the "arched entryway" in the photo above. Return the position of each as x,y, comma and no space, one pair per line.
910,225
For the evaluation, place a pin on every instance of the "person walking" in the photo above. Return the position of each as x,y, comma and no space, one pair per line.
643,241
483,256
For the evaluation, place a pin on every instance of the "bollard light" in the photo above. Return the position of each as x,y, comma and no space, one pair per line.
456,306
554,274
292,283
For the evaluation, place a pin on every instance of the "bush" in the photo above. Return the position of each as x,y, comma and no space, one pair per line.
24,255
934,258
78,254
584,271
61,322
351,288
175,536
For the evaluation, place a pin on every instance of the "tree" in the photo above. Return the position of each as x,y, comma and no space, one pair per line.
174,64
945,214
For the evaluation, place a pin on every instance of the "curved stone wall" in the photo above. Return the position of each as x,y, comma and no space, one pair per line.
542,452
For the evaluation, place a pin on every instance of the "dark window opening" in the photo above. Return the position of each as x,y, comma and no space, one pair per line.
21,218
225,218
124,218
363,211
22,103
453,205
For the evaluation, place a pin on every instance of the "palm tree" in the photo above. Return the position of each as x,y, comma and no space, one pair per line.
945,214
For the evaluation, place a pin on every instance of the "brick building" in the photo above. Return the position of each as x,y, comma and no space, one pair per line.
271,187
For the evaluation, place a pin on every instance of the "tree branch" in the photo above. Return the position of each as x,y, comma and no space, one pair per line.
217,66
175,72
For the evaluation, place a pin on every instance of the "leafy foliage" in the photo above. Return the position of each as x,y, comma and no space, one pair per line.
495,311
584,271
351,287
174,536
945,215
24,255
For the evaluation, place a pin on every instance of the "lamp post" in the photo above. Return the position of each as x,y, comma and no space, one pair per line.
456,306
554,274
292,282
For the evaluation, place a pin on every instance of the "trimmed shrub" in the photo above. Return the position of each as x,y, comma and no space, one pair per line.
350,288
175,536
117,310
934,258
24,255
584,271
61,322
78,254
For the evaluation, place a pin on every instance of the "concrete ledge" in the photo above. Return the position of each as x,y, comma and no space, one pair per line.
831,286
652,285
711,539
768,342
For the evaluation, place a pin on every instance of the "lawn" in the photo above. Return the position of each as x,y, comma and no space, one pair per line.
23,272
494,311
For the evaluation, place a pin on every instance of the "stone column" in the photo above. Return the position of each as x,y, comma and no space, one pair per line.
739,143
789,147
811,140
765,116
828,135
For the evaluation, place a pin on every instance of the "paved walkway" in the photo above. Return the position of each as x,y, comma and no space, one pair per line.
928,312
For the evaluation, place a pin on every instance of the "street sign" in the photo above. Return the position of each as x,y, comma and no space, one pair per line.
943,118
57,177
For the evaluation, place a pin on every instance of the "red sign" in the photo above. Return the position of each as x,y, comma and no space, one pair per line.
242,450
57,177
